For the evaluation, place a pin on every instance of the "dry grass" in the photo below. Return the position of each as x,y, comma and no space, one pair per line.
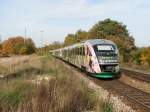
33,63
63,93
59,95
137,67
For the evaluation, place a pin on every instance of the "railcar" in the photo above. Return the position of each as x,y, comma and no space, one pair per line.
98,57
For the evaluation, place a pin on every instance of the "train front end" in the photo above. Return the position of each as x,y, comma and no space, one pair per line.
107,56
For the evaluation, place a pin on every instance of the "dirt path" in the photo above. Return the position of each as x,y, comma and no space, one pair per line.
15,60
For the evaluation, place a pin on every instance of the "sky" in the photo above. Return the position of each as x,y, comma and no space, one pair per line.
46,21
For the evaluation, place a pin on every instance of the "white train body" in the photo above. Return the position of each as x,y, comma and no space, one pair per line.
98,57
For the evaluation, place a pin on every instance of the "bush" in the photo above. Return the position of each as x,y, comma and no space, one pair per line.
23,51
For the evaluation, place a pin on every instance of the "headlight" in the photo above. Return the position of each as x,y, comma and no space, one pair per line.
115,60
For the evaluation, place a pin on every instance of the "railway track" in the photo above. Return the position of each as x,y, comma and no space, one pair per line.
138,98
136,75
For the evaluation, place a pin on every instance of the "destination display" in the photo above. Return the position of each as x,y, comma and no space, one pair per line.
105,48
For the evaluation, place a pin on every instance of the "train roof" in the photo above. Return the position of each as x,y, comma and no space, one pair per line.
92,42
99,41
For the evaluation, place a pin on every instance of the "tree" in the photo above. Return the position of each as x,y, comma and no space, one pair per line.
55,45
81,35
23,51
117,32
136,56
108,27
14,44
11,45
30,46
110,30
145,56
70,39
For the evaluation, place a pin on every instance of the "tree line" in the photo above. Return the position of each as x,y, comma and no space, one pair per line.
111,30
105,29
17,46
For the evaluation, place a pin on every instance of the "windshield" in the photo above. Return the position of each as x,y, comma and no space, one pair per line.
105,50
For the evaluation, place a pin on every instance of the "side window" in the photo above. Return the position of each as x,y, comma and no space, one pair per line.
95,48
76,51
83,50
71,52
80,50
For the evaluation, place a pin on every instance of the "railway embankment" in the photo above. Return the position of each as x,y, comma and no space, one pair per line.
136,74
136,78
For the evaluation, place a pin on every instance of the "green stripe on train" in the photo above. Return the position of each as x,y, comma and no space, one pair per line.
104,75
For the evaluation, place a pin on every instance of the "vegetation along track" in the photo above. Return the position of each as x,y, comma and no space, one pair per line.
136,75
139,99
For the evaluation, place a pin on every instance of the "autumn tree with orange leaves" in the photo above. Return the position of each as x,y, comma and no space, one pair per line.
17,45
145,56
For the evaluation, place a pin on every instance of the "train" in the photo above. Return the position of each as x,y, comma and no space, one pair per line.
97,57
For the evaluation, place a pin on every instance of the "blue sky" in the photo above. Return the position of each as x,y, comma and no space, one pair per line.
57,18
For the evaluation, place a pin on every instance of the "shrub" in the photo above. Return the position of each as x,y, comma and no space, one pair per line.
23,51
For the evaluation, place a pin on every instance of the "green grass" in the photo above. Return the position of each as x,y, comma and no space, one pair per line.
12,93
107,107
